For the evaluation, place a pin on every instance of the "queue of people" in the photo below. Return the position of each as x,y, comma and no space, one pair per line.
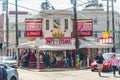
49,60
54,62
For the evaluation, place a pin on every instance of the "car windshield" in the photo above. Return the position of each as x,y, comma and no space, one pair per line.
107,56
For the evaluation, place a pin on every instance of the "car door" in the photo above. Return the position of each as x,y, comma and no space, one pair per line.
1,74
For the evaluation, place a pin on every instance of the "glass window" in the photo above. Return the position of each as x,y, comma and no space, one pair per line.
66,23
24,33
56,24
47,24
19,33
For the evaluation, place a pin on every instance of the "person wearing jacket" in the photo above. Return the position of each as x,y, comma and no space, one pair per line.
99,59
114,63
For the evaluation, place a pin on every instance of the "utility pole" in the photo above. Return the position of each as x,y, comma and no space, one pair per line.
113,26
108,15
7,28
75,23
16,24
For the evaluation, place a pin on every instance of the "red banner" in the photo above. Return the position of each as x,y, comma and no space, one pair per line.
34,27
85,27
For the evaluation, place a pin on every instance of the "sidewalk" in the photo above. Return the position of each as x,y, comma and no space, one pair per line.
53,69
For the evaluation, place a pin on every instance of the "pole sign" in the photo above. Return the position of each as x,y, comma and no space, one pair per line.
85,27
33,27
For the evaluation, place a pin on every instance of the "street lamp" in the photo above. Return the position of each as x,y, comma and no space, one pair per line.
75,23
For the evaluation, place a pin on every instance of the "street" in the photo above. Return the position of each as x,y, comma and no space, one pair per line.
65,75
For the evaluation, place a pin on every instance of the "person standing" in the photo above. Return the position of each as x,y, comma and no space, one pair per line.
99,59
114,63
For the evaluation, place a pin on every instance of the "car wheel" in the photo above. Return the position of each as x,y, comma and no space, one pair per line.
13,78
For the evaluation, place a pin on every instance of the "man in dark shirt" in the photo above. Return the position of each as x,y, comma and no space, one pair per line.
99,59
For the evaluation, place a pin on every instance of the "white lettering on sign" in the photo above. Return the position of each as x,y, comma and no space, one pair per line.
58,41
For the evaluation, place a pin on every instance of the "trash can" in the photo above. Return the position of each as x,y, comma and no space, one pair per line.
32,65
42,65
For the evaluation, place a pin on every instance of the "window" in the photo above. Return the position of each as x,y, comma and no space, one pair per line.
47,24
24,33
66,23
95,20
19,34
95,35
56,24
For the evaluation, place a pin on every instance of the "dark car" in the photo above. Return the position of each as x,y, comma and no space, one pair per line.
106,65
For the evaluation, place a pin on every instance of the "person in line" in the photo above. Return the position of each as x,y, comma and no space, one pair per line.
53,61
99,59
114,63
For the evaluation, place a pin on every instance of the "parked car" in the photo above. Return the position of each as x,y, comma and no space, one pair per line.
12,73
106,65
8,60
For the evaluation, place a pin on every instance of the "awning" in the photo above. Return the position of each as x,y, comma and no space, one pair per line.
94,44
26,45
57,47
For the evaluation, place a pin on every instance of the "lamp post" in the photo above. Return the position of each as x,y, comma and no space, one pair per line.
75,23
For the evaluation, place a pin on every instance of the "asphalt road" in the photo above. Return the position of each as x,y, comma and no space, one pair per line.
65,75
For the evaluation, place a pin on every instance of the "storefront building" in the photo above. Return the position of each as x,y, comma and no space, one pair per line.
56,37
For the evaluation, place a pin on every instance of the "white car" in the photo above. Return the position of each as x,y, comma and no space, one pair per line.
12,73
8,60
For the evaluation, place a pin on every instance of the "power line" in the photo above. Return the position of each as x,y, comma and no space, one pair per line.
21,6
66,9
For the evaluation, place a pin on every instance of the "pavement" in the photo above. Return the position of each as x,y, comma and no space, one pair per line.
53,69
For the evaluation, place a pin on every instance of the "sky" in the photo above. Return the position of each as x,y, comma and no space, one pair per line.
58,4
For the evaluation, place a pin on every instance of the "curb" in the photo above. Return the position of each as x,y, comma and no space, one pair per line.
53,69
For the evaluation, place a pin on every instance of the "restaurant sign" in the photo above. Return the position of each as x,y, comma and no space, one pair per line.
51,41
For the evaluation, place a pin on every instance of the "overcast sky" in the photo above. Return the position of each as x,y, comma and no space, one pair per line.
58,4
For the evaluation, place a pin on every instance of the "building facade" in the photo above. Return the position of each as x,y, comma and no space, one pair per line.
59,32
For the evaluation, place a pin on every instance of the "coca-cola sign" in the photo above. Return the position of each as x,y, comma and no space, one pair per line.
33,27
85,27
